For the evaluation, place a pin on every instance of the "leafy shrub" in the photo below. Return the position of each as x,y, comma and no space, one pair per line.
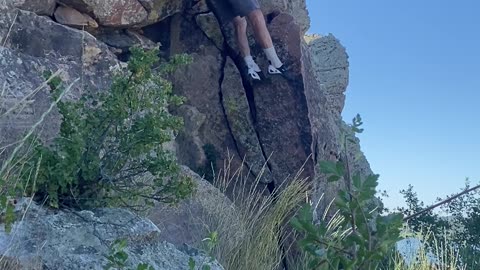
458,220
110,148
428,220
357,237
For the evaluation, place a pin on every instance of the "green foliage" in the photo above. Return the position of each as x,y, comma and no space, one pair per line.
459,220
118,258
8,215
429,220
110,148
211,243
357,237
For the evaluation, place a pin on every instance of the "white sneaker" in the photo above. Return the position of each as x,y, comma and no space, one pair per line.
253,70
274,70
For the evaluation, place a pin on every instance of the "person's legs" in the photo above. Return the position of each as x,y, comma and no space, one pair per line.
251,10
256,19
242,41
241,35
263,37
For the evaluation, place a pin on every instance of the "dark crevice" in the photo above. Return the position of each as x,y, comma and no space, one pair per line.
222,104
271,187
249,92
251,105
269,18
230,52
315,150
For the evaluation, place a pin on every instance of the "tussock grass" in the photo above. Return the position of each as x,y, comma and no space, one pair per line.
13,156
255,234
440,254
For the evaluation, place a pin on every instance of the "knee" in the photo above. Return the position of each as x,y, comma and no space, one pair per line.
240,24
256,17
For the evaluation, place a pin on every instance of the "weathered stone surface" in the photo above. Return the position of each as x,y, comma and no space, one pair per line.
115,13
72,17
161,9
193,219
288,120
282,118
298,9
41,7
122,40
81,240
209,25
37,44
326,79
199,7
199,83
240,120
190,145
330,64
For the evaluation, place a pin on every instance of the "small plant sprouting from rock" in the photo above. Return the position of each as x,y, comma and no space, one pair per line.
357,237
118,258
110,148
211,243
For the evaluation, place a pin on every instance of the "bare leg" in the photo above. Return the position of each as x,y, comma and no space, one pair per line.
263,37
242,41
241,35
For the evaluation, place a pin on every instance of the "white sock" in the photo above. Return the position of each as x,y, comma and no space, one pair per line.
273,57
251,63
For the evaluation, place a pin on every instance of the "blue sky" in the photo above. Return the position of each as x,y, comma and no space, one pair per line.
415,79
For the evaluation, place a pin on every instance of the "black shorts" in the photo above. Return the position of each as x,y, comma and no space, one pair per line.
230,9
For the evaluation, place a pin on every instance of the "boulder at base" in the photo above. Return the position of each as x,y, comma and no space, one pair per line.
47,239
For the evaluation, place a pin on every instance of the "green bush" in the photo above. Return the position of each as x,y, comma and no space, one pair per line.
110,151
458,220
358,236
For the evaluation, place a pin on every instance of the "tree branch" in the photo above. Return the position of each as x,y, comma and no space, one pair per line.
441,203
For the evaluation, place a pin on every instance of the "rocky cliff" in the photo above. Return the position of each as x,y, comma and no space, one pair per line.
277,128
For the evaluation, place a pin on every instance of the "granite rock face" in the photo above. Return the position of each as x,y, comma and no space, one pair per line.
74,18
47,239
41,7
114,13
193,219
32,46
276,130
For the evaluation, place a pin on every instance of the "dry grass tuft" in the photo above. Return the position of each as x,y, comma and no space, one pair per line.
253,236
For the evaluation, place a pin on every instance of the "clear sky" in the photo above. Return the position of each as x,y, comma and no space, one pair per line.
415,79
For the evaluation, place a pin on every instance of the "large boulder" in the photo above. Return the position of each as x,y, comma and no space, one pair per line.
330,65
46,239
74,18
277,128
296,8
114,13
193,219
287,123
41,7
158,10
33,45
200,84
282,114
